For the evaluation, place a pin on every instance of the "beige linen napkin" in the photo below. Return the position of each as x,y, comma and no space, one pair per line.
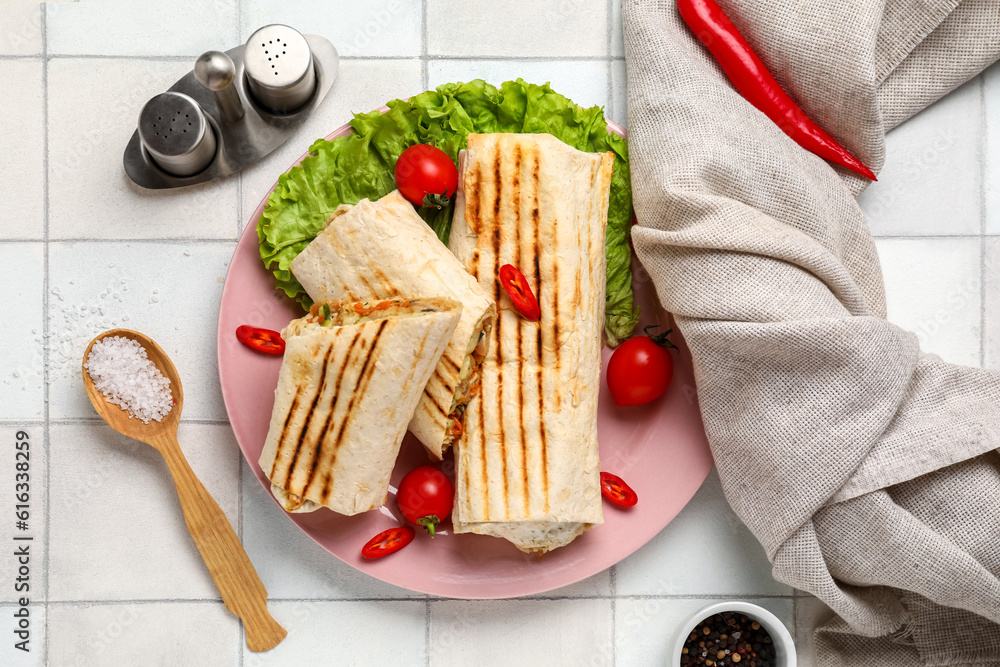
868,470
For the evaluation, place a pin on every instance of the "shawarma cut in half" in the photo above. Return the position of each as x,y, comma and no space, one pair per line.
527,466
350,379
381,250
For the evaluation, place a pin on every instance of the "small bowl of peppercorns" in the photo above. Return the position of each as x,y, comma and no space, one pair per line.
731,633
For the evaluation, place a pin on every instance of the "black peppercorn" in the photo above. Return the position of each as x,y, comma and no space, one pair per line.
727,639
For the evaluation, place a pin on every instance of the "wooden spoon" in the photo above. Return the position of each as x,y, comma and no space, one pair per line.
234,574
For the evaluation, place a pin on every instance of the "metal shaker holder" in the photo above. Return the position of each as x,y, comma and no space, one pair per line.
231,110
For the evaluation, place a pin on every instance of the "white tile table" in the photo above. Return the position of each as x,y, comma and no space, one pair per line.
115,578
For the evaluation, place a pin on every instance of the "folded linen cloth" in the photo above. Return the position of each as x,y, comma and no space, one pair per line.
868,470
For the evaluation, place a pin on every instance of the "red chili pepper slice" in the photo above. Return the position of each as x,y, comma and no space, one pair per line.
520,293
262,340
388,542
756,83
617,491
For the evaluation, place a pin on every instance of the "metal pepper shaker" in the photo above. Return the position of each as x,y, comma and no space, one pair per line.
279,68
175,132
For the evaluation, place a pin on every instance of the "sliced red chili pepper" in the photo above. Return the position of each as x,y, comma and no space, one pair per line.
388,542
756,83
520,293
262,340
617,491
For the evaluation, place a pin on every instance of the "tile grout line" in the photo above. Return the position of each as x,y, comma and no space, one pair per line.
167,240
432,600
795,617
151,601
218,600
425,75
46,542
613,585
904,237
983,160
83,421
427,633
611,111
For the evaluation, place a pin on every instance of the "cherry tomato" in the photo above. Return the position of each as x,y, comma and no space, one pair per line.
426,176
640,369
617,491
520,292
426,497
262,340
388,542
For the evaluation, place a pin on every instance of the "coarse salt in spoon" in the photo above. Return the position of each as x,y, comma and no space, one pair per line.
135,387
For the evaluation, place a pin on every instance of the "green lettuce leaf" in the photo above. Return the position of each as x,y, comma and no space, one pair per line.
349,169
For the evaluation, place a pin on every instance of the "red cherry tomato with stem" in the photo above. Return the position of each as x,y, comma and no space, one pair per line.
640,369
262,340
617,491
519,291
426,497
388,542
426,176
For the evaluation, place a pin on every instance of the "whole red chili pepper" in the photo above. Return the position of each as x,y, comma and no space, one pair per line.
753,80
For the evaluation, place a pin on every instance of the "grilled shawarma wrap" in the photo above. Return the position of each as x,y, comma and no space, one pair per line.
382,249
350,379
527,464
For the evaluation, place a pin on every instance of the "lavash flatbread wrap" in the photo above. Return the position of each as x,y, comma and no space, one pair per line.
527,465
351,376
383,249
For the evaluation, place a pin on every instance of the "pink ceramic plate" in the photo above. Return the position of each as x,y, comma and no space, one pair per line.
659,449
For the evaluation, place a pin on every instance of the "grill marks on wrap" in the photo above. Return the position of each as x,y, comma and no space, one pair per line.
318,447
437,406
451,362
386,285
440,413
497,196
518,263
284,440
483,460
360,386
536,226
595,170
312,408
529,237
519,211
281,440
444,382
535,231
368,286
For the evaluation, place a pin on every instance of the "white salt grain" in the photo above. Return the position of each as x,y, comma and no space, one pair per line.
125,375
